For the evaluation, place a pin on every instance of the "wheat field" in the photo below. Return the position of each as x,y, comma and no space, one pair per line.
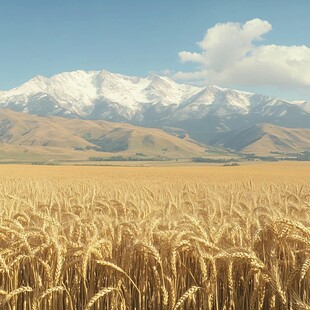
155,237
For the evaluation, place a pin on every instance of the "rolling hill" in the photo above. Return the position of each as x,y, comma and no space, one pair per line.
22,134
265,138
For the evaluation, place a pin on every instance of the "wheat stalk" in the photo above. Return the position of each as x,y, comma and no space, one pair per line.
99,295
188,294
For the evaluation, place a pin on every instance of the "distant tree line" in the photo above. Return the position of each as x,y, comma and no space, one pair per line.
129,158
303,156
213,160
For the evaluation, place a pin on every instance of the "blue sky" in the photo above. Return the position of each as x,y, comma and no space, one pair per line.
41,37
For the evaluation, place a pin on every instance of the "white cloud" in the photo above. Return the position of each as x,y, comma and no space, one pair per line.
233,54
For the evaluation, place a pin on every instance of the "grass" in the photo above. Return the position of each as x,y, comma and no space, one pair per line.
155,237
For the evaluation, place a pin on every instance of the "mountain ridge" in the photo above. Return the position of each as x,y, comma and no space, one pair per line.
262,139
153,101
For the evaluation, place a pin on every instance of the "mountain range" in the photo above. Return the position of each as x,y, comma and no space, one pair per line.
81,114
207,114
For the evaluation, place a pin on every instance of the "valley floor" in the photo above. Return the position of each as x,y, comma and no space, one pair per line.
284,171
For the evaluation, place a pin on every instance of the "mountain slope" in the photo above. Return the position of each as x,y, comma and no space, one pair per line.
266,138
98,138
155,101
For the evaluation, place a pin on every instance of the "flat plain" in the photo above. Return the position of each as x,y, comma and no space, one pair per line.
182,237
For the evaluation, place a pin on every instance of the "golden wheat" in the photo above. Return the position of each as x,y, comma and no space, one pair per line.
154,238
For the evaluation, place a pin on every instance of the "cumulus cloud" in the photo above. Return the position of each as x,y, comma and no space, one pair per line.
233,54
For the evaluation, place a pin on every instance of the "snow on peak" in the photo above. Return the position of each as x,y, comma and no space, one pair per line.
80,91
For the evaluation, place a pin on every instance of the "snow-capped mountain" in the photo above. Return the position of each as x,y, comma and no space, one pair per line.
204,112
82,94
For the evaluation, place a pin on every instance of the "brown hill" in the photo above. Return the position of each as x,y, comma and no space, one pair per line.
54,137
265,138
